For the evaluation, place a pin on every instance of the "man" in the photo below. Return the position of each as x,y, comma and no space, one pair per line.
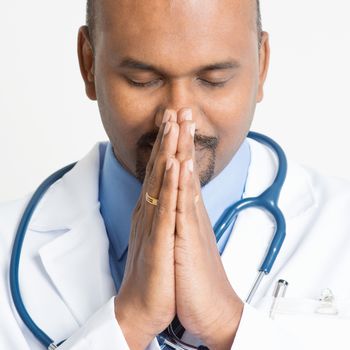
123,243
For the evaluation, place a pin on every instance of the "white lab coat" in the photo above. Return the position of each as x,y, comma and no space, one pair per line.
67,287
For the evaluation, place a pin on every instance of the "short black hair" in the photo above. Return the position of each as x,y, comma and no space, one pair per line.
91,16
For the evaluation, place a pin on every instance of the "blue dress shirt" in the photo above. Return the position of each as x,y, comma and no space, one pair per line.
119,191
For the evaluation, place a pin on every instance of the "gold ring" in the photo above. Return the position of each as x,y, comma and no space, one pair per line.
151,200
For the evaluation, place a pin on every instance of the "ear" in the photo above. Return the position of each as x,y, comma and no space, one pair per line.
86,61
264,60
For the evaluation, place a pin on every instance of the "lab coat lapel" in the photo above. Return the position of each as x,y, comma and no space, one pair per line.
77,264
77,260
253,229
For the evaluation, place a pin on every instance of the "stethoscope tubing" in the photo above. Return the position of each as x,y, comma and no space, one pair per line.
16,255
267,201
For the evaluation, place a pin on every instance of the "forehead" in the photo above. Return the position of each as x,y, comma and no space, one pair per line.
170,29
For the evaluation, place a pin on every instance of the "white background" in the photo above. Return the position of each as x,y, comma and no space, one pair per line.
46,121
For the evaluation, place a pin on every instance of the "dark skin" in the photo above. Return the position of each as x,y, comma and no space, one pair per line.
201,70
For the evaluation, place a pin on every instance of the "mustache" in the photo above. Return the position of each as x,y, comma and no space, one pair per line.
202,141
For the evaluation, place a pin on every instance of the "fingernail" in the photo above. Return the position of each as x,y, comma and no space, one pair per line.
187,114
169,163
192,129
167,127
189,165
166,116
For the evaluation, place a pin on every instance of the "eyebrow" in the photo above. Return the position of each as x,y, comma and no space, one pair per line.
139,65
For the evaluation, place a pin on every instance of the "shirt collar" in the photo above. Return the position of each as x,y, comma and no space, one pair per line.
120,190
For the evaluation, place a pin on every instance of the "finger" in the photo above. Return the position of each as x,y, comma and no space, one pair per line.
186,146
167,148
186,138
196,176
154,182
169,115
186,217
165,214
198,198
133,242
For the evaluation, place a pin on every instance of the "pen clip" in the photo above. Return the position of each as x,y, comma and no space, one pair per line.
279,292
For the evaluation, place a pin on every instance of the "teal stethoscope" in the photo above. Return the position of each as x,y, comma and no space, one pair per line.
268,201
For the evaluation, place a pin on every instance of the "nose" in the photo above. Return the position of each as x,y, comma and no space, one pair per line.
179,96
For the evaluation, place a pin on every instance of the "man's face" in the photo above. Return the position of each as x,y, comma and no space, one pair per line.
153,55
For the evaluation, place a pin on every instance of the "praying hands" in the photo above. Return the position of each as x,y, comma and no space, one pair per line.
173,265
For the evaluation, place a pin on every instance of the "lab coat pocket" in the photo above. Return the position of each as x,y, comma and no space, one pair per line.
319,324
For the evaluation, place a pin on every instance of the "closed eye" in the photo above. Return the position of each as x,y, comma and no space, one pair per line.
213,84
143,85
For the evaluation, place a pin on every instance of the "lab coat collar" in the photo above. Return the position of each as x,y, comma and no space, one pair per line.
71,197
297,194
